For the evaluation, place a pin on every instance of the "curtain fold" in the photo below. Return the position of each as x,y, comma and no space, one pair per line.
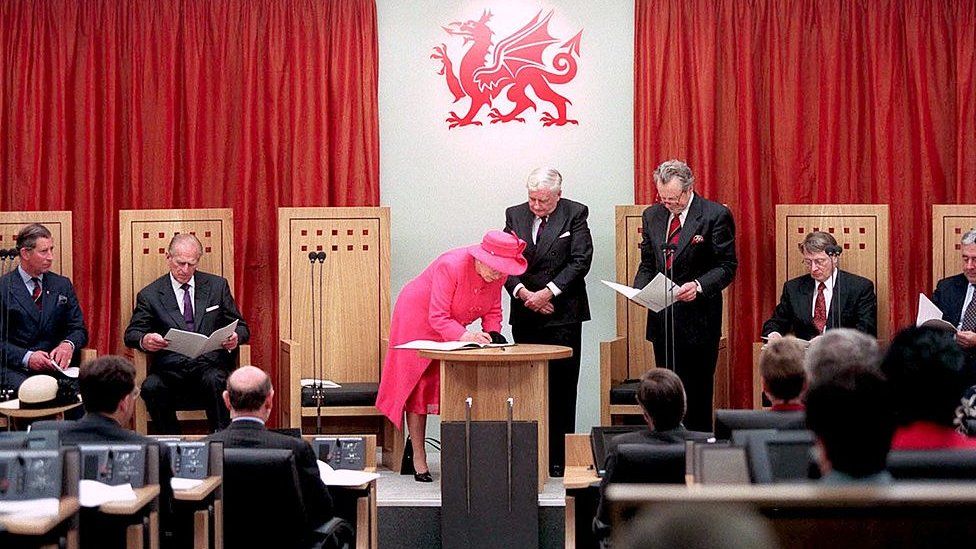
126,104
802,101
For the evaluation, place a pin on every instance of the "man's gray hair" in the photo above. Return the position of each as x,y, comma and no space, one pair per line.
969,238
670,169
183,238
837,350
544,179
27,237
817,241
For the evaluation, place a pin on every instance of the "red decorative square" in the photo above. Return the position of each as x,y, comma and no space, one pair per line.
861,246
348,232
816,229
830,230
145,235
365,232
318,248
206,234
335,232
847,230
163,235
335,248
318,232
958,230
365,247
304,232
862,230
847,246
207,249
145,251
958,246
304,248
162,250
194,233
800,230
349,248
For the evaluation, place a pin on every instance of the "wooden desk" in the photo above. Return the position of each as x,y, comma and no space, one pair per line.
145,496
39,526
580,476
198,493
490,376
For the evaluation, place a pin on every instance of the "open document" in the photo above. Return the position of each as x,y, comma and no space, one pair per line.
193,344
931,316
427,345
658,294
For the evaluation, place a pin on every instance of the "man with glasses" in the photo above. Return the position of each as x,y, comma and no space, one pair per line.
691,240
193,301
954,296
825,298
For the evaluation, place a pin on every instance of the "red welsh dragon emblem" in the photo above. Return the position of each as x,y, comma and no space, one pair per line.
517,64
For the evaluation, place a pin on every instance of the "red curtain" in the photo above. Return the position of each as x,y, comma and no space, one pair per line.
804,101
124,104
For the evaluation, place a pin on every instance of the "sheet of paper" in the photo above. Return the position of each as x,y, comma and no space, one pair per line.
311,382
179,483
92,493
344,477
42,507
930,315
192,344
656,296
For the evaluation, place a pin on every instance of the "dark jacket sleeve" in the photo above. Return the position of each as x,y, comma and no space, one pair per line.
648,263
318,502
513,280
75,330
231,313
783,315
141,322
580,252
866,307
721,274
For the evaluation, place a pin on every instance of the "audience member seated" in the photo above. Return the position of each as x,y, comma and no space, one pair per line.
711,526
925,369
781,374
662,398
850,414
837,350
249,398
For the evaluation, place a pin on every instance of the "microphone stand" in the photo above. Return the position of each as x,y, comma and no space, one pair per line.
319,391
834,252
6,393
669,347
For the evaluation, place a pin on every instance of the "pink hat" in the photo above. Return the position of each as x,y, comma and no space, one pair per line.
501,251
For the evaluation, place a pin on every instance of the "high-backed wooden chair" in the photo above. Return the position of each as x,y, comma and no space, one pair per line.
334,314
629,354
861,230
949,223
143,238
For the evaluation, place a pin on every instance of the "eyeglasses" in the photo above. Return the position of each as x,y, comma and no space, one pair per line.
819,262
671,200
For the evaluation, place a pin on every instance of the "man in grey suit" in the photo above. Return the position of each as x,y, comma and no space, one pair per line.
549,303
190,300
954,296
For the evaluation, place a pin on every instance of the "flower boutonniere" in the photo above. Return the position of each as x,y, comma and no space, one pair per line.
697,239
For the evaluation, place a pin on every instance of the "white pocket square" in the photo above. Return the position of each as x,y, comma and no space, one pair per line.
212,308
564,235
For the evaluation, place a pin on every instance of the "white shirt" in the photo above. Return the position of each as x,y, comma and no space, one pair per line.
828,293
178,291
965,304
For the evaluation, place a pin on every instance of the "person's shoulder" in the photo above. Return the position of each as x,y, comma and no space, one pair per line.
516,209
573,205
954,280
712,207
210,278
795,282
857,279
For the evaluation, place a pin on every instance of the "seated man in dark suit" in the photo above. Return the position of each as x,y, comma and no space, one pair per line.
662,398
781,374
194,301
249,398
849,412
40,317
825,298
954,297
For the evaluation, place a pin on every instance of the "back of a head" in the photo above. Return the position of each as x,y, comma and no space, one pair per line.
662,395
781,368
850,412
708,526
837,350
105,381
925,369
248,388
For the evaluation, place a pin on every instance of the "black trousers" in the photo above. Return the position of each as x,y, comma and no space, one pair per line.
563,381
695,365
198,384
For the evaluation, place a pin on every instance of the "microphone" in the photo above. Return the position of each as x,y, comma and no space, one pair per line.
320,257
4,254
833,250
311,257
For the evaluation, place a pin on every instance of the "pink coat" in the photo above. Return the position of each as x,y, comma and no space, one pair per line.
437,305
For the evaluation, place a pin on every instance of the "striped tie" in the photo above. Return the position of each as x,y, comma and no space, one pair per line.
674,232
969,317
36,294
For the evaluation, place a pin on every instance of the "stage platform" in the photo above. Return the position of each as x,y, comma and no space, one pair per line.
410,517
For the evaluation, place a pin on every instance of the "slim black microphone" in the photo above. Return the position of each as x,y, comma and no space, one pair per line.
4,255
311,257
320,257
833,250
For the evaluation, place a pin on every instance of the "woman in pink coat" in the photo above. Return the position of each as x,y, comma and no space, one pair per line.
459,287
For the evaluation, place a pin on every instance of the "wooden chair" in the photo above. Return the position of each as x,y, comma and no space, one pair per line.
334,316
629,354
860,229
143,238
949,223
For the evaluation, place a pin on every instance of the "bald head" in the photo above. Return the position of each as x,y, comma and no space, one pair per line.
249,392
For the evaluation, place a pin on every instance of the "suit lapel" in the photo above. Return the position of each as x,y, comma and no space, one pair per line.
200,299
48,300
168,298
659,227
805,309
690,227
19,290
523,229
555,223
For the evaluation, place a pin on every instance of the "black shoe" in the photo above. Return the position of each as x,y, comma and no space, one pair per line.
423,477
556,471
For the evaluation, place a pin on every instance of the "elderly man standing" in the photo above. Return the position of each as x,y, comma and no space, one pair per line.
549,303
954,296
40,317
699,236
194,301
825,298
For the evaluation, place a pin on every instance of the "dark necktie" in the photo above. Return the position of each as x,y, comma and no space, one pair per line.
36,294
187,308
969,317
820,309
542,225
674,233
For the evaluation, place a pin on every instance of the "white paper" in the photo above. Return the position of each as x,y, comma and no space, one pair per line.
344,477
657,295
179,483
70,371
930,315
41,507
92,493
426,344
311,382
193,344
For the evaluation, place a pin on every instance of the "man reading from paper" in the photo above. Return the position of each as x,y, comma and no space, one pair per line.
954,297
194,301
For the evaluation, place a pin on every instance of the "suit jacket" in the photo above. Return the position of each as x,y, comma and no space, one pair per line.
157,311
562,256
29,329
854,300
706,253
93,429
252,434
949,296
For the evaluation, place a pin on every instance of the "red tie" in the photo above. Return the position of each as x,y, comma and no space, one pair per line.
674,232
820,309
